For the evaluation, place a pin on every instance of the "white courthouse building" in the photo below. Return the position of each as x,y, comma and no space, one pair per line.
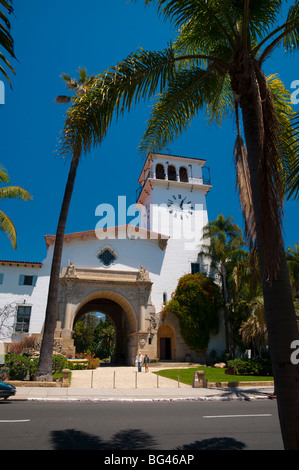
126,271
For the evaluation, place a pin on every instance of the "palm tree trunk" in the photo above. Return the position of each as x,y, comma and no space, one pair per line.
278,300
227,313
44,371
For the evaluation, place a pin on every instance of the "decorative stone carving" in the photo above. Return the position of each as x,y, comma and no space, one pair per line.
70,271
129,289
142,341
142,275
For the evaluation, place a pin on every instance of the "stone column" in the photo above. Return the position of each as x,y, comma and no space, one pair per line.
141,323
68,316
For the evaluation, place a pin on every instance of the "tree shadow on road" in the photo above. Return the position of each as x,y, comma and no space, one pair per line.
128,439
243,393
215,443
133,439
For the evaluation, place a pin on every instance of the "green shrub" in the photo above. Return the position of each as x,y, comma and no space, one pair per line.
22,366
257,366
74,366
33,367
59,363
4,373
19,366
196,302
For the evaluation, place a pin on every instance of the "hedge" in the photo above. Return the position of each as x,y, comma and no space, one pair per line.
22,366
256,366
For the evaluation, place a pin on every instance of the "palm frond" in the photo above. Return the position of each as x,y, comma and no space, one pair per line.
14,192
7,226
187,94
291,34
215,17
291,162
136,78
62,99
244,187
222,104
4,177
288,121
175,109
6,40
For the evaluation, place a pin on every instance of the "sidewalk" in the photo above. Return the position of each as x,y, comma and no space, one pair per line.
126,384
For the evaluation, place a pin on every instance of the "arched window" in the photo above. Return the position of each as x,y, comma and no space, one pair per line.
183,175
160,173
171,173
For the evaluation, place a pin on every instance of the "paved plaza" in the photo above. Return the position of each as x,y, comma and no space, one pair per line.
126,383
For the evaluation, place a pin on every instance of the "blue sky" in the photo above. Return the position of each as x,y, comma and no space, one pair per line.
61,36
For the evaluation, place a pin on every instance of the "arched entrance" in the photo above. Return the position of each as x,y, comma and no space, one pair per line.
120,320
123,295
166,345
123,317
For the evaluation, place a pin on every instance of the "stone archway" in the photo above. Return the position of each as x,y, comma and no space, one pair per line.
125,292
122,316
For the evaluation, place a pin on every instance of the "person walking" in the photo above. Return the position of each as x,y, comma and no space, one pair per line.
146,362
139,360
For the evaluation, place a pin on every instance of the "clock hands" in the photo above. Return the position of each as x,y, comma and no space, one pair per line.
182,202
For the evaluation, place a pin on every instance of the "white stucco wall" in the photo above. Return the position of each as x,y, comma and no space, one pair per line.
34,296
165,267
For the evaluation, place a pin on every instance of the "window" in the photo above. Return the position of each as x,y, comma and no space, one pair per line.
107,256
160,173
25,280
195,268
183,175
164,297
23,319
171,173
1,278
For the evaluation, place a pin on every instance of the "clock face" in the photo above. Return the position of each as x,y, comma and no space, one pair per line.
180,206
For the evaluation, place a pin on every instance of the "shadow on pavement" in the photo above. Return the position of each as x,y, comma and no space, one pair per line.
215,443
133,439
129,439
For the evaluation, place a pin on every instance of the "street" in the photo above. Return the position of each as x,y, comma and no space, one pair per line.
116,426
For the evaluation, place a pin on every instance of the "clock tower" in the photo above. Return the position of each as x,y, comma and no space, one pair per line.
172,194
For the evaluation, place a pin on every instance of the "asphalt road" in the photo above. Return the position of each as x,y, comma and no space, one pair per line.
118,426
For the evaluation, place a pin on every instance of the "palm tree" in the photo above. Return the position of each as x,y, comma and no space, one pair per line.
6,40
107,339
216,64
223,251
10,192
44,371
79,85
254,330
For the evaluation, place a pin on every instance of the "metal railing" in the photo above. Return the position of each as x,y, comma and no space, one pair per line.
205,180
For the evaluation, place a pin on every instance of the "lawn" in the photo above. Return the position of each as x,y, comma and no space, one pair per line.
211,373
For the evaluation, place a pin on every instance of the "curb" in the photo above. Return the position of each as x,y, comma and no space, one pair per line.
142,400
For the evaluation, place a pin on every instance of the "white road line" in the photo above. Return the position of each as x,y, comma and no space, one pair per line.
237,416
14,420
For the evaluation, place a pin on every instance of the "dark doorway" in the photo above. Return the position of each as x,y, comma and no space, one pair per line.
165,349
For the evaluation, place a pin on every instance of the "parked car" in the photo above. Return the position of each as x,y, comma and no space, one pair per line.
7,390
